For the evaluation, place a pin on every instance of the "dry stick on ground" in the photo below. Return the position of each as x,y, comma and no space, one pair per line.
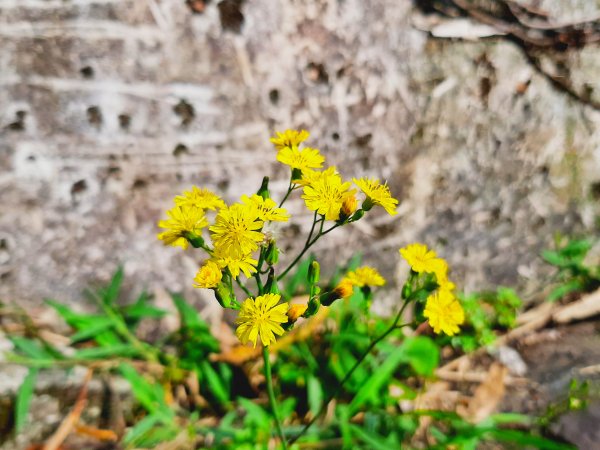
69,422
535,319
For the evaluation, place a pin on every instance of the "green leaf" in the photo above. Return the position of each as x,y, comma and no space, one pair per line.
23,400
554,258
525,439
564,289
315,394
150,395
215,385
122,350
110,294
101,324
141,311
189,316
372,440
255,415
140,429
422,354
30,348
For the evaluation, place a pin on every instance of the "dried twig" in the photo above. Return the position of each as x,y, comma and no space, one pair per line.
69,422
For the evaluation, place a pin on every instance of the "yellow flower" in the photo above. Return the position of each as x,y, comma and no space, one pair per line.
289,138
307,158
182,220
326,193
377,194
268,210
444,312
235,230
365,276
295,311
209,276
420,258
201,198
235,264
261,318
345,288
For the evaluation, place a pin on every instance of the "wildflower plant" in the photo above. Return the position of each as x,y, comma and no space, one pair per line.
240,252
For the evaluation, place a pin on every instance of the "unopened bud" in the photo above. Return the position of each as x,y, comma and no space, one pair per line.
224,296
195,239
296,311
349,205
272,256
344,289
357,215
271,286
264,189
314,273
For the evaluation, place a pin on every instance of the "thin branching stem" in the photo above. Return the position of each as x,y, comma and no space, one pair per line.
348,375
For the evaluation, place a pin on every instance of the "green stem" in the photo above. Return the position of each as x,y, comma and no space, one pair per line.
244,288
259,284
307,245
348,375
287,194
271,393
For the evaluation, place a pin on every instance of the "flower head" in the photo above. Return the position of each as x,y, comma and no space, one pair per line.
326,193
365,276
200,197
235,263
345,288
209,276
235,232
182,221
295,311
349,204
377,194
261,318
289,138
307,158
421,259
444,312
268,210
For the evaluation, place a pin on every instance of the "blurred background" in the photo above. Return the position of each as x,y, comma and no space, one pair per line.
482,116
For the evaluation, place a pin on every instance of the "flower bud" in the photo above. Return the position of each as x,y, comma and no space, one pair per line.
349,205
344,289
225,296
313,273
272,256
296,311
271,286
296,175
264,189
195,239
357,215
367,204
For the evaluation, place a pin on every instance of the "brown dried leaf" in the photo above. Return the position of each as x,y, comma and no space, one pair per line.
487,395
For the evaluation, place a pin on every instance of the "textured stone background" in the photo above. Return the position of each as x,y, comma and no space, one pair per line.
110,107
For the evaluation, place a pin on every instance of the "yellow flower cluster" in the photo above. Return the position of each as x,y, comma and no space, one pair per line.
324,191
237,242
443,310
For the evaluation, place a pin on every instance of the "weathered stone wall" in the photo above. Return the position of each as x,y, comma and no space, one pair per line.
110,107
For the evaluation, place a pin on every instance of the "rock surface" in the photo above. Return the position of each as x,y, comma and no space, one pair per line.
109,108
